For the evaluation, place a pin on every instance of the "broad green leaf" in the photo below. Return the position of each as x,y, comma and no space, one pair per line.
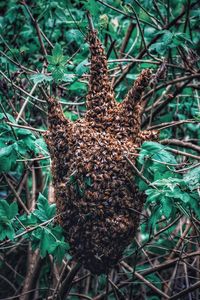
6,231
91,5
156,151
57,52
192,178
81,68
44,211
77,86
37,78
8,211
167,206
60,250
47,242
69,77
10,117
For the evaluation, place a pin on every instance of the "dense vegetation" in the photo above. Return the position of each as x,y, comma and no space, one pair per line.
43,49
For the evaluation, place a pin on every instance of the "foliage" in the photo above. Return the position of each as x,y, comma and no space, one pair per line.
43,49
37,226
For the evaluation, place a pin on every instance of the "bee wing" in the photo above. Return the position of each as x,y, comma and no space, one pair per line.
100,95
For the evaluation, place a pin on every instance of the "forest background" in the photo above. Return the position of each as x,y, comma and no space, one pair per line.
43,47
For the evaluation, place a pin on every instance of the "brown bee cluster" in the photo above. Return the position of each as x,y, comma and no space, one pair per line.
98,202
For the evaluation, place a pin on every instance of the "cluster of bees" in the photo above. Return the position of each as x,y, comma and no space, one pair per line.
97,200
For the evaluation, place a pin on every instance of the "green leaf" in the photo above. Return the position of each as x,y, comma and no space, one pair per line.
81,68
8,211
69,77
155,216
156,151
153,196
90,5
10,117
50,241
164,42
37,78
13,210
8,156
57,52
60,250
57,63
6,231
6,151
58,74
78,86
168,183
71,116
44,211
46,242
88,181
167,206
192,178
180,38
28,220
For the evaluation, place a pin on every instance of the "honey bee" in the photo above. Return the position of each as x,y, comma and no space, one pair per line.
97,214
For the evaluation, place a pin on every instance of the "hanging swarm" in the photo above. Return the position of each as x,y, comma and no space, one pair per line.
97,201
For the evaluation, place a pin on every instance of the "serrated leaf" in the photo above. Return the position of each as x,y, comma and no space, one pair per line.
81,68
6,151
50,59
57,51
28,220
78,86
7,210
6,231
7,213
44,211
10,117
13,210
60,250
37,78
153,196
155,216
68,77
168,183
164,42
58,74
91,5
156,151
47,241
74,35
8,156
167,206
192,178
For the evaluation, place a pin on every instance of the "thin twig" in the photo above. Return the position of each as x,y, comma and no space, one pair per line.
186,291
67,283
171,124
155,38
178,152
21,203
144,280
25,127
25,103
179,143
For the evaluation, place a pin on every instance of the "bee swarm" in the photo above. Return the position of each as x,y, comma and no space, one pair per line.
94,183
